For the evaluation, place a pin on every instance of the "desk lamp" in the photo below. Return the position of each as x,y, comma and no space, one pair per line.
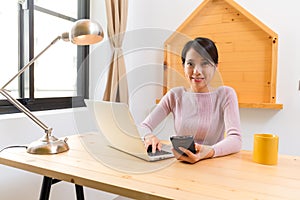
83,32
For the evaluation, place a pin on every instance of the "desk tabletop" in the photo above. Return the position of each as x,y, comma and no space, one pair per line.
231,177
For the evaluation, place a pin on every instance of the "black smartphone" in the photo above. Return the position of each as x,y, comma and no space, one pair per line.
186,142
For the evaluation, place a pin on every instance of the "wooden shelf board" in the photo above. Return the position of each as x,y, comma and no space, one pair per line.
261,105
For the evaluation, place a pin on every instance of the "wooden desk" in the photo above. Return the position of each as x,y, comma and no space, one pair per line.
230,177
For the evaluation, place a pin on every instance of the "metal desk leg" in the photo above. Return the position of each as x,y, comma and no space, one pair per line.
79,192
46,186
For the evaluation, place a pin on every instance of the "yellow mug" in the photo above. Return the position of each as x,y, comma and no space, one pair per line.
265,149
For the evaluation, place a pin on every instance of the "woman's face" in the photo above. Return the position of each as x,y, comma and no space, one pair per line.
198,70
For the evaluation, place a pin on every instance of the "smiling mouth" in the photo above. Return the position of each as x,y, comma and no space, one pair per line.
196,79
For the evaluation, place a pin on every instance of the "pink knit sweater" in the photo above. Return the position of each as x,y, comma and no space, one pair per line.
207,116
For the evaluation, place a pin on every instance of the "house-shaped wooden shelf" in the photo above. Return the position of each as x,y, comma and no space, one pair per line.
247,51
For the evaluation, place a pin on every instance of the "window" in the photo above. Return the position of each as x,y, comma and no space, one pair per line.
57,79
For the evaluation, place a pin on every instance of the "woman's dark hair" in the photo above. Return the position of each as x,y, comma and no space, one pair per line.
204,46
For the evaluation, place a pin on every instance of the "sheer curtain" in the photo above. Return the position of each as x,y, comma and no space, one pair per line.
116,87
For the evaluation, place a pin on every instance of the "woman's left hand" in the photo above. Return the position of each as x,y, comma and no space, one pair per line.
202,152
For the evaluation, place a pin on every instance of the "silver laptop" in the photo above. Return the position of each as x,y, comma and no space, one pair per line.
116,123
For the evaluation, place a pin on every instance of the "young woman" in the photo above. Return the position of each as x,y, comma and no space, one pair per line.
205,112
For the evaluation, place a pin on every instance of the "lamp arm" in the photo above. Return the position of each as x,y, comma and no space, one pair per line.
25,110
16,103
31,61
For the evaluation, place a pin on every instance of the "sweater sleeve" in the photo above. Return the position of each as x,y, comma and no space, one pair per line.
232,142
159,113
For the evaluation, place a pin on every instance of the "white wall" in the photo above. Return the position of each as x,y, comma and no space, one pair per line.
149,24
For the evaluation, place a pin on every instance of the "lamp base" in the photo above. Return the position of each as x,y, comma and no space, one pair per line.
48,145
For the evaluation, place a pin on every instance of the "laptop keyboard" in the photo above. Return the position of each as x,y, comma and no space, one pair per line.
159,153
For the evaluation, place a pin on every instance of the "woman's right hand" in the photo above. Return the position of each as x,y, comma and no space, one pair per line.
151,139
